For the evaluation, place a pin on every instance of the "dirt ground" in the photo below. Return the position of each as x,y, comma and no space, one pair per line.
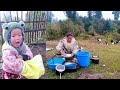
90,75
39,49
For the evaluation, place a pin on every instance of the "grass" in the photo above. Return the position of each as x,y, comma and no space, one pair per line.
108,55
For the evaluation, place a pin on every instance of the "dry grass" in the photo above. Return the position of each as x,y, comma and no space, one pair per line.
108,55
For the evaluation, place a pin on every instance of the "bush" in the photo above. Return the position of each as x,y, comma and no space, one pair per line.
112,36
108,37
53,34
116,36
84,36
69,26
91,31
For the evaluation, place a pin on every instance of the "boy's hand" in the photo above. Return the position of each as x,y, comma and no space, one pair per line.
25,57
19,56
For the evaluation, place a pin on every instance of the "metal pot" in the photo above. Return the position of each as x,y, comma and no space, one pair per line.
95,60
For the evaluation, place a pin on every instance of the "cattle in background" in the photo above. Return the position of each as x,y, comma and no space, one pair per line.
117,42
112,42
106,43
99,41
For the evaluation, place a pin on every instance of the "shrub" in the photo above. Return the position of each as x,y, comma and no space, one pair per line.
84,36
112,36
116,36
69,26
91,31
53,34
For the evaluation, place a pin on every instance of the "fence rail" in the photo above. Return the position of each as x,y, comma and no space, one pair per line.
35,26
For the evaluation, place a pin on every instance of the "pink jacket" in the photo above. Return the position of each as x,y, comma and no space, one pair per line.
11,63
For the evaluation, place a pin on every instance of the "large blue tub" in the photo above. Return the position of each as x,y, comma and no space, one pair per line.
83,58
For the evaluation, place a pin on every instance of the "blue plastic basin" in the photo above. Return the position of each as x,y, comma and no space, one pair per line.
53,62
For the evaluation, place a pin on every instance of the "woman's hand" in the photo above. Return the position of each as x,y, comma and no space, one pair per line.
72,54
63,53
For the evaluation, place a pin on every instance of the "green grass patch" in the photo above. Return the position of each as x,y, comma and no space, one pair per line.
108,55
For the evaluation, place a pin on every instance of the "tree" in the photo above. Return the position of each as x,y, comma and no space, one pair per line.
100,26
114,27
87,23
97,14
119,29
48,15
91,31
116,15
90,15
69,27
71,15
107,26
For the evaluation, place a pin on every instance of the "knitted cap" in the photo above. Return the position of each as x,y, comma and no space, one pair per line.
8,27
69,34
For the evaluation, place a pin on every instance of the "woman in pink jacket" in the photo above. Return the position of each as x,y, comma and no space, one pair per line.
13,50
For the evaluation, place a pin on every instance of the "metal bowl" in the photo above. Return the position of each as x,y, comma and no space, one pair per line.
68,56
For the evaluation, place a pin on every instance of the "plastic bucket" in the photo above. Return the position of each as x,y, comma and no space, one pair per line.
52,63
83,58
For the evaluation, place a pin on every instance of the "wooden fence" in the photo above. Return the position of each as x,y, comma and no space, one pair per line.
35,26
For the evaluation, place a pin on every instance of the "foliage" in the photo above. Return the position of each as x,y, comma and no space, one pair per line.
91,31
98,14
52,33
112,36
108,36
116,15
100,27
71,15
90,15
87,23
107,26
84,36
85,26
119,29
116,36
69,26
48,15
